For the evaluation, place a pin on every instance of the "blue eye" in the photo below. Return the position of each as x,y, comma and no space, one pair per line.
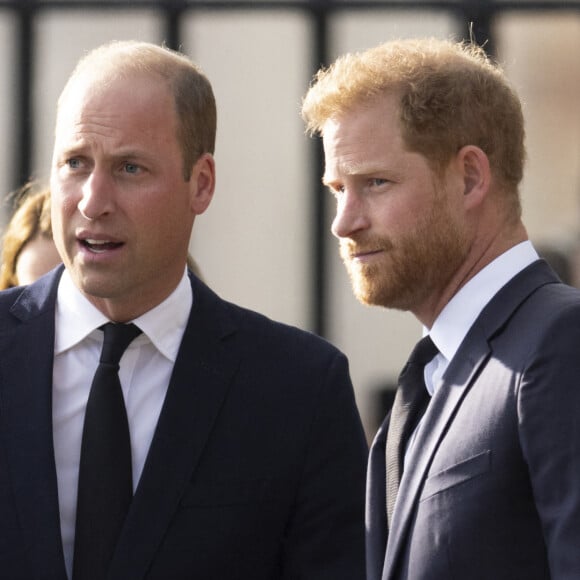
131,168
377,181
74,163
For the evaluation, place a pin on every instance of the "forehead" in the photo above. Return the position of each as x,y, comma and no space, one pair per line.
367,133
115,102
378,114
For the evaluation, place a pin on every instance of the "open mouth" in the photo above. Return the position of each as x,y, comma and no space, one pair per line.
100,246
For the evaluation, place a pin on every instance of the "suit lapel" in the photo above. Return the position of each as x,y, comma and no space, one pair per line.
199,384
458,378
26,361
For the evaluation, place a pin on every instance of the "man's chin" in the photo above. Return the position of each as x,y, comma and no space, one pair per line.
367,296
379,296
95,285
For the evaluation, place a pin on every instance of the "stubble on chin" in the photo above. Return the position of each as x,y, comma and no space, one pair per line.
381,282
380,285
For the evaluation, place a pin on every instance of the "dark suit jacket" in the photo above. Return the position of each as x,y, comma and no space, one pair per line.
492,488
256,469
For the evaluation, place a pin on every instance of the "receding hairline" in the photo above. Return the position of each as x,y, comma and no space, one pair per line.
190,89
127,58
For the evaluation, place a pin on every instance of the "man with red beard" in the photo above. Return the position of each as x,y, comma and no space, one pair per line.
424,153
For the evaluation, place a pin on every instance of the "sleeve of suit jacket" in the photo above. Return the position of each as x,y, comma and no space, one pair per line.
325,538
549,423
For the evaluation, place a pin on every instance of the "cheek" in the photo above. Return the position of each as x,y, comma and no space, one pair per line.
63,209
395,216
67,206
63,200
162,217
405,211
60,212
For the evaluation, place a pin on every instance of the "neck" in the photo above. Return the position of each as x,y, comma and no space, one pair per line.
483,251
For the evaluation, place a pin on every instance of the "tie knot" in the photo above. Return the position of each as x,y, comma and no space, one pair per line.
423,352
117,339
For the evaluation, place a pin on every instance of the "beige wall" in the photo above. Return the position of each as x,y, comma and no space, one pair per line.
541,55
253,244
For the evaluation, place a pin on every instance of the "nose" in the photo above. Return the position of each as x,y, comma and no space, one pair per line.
97,199
351,215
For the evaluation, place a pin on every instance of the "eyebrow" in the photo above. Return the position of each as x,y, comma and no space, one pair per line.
354,169
130,153
81,149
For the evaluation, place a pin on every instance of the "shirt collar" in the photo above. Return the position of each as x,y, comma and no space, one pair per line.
455,320
76,318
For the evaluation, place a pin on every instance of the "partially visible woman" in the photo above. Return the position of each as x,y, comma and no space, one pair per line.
28,250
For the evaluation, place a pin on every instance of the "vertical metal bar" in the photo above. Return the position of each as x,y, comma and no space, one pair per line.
24,72
319,275
172,12
479,17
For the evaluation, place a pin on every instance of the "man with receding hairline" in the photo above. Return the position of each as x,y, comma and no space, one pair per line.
149,429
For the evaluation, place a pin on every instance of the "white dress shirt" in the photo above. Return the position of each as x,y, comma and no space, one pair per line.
145,371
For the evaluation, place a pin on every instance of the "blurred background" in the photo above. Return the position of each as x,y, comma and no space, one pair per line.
265,241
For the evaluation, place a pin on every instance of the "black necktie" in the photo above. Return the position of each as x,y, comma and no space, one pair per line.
410,402
105,485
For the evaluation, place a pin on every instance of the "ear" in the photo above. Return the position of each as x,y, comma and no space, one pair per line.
202,183
473,165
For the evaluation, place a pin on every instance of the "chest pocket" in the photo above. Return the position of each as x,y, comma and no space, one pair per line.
457,474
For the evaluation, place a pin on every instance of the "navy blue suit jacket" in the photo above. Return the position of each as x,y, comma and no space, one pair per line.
491,490
255,472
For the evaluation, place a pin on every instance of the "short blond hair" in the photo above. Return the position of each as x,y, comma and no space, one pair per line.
195,105
451,95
